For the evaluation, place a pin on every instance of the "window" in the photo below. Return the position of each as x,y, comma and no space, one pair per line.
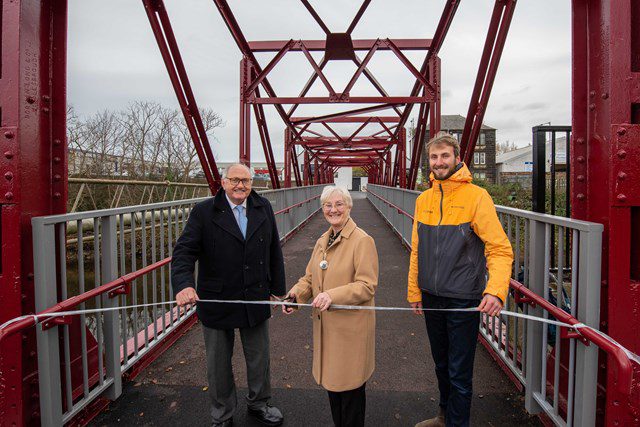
482,140
480,175
479,159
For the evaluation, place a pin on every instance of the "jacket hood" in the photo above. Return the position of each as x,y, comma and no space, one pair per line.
462,175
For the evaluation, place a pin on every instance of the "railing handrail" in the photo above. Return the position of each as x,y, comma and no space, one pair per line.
288,208
76,216
120,282
622,361
76,300
111,181
575,224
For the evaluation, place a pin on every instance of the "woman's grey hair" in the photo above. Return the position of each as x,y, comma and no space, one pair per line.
330,190
225,173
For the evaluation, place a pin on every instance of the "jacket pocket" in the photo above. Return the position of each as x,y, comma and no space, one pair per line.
210,286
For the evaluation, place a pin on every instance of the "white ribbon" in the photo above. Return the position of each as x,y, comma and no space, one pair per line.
37,318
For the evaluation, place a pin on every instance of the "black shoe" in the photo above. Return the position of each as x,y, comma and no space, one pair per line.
225,423
267,415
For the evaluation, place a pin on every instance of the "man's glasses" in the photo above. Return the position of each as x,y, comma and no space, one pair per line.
338,205
244,181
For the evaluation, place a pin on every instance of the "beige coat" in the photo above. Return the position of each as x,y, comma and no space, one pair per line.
343,340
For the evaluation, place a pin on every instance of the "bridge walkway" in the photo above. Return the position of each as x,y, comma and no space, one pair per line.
401,392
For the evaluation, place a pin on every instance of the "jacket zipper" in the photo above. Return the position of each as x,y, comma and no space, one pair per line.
435,280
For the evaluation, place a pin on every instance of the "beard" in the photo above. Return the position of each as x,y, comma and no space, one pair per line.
449,171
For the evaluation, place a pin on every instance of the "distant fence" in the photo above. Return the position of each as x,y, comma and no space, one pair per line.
525,180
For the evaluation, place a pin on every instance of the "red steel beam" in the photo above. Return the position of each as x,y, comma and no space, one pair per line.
315,15
163,32
33,52
605,181
320,45
359,14
329,117
492,52
362,119
280,100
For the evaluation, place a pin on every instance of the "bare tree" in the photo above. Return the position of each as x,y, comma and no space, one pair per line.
504,147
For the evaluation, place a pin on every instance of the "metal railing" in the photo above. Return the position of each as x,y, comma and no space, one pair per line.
556,368
103,193
115,258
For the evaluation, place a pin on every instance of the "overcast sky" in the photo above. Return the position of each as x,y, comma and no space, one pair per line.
114,59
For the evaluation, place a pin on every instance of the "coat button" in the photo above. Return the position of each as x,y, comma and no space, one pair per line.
261,262
246,267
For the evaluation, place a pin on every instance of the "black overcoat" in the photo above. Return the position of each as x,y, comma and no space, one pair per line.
229,266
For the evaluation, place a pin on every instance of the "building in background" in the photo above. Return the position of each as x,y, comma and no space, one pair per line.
517,165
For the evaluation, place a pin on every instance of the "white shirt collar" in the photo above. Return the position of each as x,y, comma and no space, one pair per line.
233,205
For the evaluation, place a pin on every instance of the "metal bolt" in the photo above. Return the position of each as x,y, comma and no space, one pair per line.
8,195
621,197
592,107
30,276
592,93
622,154
621,176
580,159
9,135
604,95
580,140
46,98
56,159
32,353
580,178
8,176
57,177
581,196
31,99
8,154
621,131
57,195
57,142
45,110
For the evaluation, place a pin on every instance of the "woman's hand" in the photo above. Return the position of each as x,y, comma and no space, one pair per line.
287,309
322,301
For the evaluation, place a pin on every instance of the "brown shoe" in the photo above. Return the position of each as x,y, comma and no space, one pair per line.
438,421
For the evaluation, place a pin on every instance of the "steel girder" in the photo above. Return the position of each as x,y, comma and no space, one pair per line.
34,183
605,182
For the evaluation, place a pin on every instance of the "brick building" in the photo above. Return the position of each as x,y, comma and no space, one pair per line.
484,156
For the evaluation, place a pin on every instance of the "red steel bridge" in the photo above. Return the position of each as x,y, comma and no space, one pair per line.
604,148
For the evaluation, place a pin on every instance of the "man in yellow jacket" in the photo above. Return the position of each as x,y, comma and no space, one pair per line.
460,258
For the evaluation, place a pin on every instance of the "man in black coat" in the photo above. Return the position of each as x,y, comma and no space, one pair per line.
234,238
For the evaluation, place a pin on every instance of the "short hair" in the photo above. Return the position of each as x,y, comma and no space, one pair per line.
444,138
225,173
329,190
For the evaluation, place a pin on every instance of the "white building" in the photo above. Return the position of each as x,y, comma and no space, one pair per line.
520,161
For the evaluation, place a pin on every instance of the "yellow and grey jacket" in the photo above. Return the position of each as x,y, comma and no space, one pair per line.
456,238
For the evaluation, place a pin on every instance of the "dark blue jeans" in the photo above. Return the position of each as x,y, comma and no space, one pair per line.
453,337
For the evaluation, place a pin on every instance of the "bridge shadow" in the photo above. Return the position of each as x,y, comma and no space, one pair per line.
401,392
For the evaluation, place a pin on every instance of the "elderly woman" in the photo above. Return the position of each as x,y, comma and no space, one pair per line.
343,270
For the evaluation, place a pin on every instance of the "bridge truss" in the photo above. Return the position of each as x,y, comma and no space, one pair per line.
605,141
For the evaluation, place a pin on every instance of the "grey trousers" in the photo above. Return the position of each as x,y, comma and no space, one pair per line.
222,388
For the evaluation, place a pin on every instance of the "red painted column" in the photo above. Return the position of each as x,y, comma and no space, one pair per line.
605,179
287,158
34,179
245,114
306,168
402,158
